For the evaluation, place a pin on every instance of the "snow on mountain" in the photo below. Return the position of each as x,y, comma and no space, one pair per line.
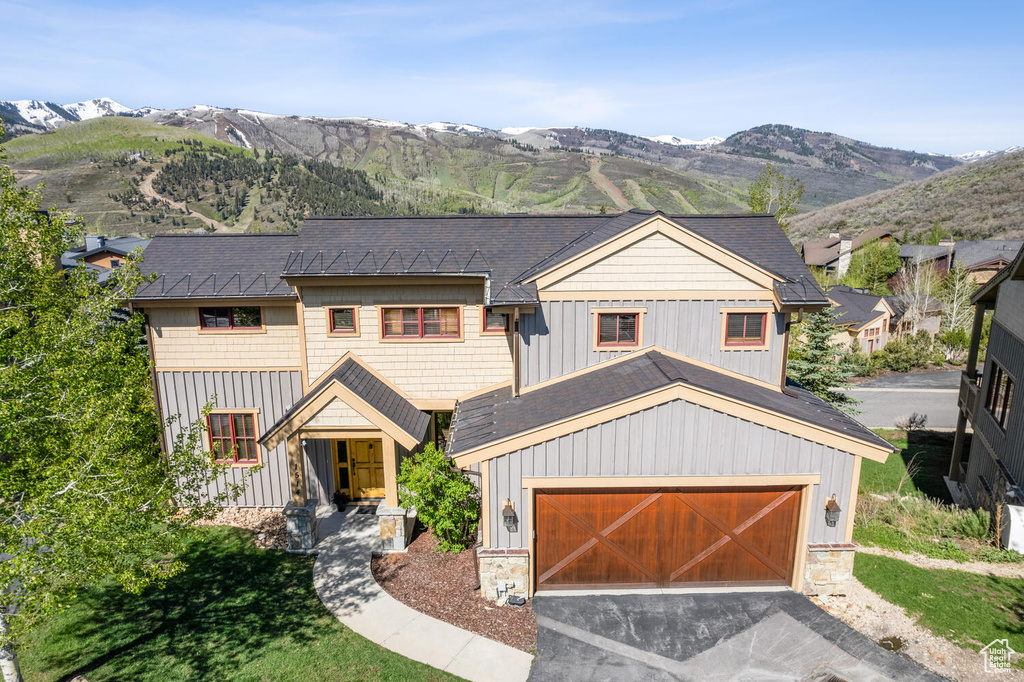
981,154
94,108
686,142
520,131
445,127
43,114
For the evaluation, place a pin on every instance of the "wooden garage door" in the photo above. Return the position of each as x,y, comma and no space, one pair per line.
666,537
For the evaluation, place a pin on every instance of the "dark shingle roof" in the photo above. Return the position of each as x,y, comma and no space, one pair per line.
217,265
853,306
508,249
118,245
375,392
496,415
498,247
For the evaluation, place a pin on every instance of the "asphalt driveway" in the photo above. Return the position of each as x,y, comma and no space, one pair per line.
889,399
715,636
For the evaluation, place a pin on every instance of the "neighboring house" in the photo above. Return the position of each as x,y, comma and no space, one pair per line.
988,475
929,319
101,254
835,251
863,317
983,258
615,383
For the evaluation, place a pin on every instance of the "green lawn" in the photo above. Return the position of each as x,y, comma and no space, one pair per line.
927,453
237,613
966,608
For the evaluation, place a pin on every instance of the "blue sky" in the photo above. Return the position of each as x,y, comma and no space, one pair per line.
930,76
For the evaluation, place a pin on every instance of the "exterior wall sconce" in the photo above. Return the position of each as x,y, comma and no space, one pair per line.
832,511
509,518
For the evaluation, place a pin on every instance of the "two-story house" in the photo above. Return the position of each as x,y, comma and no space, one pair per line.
616,384
988,475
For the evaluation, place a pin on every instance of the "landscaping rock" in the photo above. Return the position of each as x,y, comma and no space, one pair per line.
868,613
267,524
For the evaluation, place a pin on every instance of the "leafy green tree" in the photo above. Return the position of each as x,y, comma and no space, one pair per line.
84,490
820,363
872,266
776,194
444,497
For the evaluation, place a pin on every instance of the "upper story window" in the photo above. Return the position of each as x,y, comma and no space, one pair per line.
745,329
1000,395
618,329
496,323
230,318
233,437
342,322
421,323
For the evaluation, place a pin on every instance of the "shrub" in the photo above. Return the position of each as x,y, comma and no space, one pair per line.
955,344
915,422
973,524
445,498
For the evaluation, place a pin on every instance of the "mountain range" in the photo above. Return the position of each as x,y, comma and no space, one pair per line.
443,166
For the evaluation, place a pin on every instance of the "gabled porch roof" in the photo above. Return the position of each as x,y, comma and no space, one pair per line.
360,388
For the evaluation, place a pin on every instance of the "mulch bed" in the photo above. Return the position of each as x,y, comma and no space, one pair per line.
443,586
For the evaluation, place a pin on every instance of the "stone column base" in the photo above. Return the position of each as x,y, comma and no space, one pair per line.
503,573
829,569
396,526
300,525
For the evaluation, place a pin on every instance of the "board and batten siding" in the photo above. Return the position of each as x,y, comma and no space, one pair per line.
1008,350
1010,306
319,469
656,262
178,343
558,338
675,439
427,370
184,394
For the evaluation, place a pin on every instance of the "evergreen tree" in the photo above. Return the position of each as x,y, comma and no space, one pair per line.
818,362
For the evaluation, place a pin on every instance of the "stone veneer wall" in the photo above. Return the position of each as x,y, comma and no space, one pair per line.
507,568
396,525
829,569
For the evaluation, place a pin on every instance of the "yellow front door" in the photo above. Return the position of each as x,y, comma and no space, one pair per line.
367,461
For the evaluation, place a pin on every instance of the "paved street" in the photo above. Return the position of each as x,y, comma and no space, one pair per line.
888,399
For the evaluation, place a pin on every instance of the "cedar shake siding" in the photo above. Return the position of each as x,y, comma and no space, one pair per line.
178,342
674,439
184,394
558,338
425,369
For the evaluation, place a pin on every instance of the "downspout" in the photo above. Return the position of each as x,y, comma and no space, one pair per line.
479,542
515,352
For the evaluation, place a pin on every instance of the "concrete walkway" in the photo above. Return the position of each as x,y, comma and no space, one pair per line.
346,586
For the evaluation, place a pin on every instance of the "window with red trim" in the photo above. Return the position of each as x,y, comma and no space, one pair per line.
233,437
617,329
421,323
745,329
342,320
247,317
495,322
1000,395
